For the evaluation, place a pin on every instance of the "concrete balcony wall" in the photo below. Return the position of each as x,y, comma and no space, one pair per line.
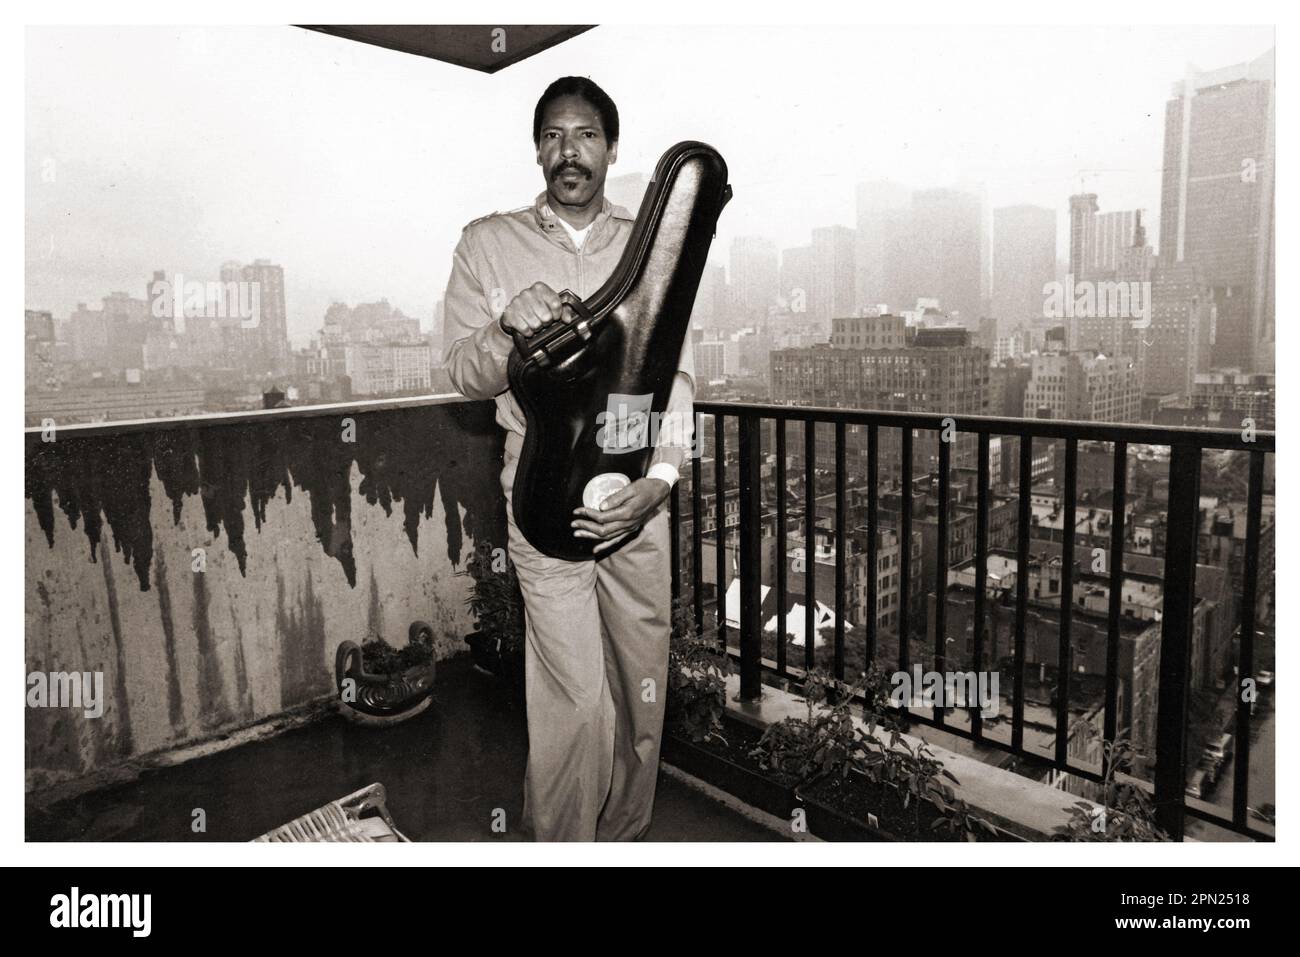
304,539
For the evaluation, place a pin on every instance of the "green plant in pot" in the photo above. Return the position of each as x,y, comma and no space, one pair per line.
827,743
497,604
697,679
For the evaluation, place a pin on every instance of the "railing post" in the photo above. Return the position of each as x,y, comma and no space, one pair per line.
941,576
720,516
780,549
1176,637
1064,656
981,573
810,542
1119,502
841,546
1022,589
1246,644
905,609
697,520
873,532
751,559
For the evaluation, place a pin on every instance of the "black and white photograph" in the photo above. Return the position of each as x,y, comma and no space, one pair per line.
684,442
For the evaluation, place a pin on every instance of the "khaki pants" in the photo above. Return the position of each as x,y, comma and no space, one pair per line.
596,666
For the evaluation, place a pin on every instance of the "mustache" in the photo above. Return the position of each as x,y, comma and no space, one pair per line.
570,165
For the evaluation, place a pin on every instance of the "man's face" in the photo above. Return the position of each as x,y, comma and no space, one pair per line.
572,152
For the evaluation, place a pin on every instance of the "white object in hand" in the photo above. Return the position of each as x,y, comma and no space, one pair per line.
602,487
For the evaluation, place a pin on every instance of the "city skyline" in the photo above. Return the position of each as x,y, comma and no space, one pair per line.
264,209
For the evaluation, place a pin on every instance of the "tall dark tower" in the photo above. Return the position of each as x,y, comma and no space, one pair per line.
1216,201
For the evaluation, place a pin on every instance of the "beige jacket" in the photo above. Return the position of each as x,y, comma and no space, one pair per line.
500,255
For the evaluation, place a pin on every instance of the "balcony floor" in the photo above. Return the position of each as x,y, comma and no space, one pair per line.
445,771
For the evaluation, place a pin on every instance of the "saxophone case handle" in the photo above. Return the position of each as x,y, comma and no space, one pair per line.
561,339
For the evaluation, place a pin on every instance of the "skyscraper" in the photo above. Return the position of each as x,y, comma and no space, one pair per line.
833,273
272,332
753,276
882,212
1182,307
1112,235
1110,265
710,310
1083,221
1098,240
797,277
945,243
1216,201
1024,260
1110,331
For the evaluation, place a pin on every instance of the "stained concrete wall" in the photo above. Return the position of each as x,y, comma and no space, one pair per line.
307,540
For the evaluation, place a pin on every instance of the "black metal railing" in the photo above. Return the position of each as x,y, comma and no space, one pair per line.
1176,627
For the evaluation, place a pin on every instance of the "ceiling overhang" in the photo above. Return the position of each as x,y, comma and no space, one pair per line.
487,48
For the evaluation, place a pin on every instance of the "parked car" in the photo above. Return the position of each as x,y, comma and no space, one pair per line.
1264,679
1196,784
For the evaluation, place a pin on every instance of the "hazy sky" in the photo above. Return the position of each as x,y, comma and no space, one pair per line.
355,167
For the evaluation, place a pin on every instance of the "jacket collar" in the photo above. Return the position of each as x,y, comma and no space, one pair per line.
549,223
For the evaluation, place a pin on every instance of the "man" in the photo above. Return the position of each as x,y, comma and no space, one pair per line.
596,649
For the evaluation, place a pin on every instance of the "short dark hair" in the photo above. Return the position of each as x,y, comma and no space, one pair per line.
589,91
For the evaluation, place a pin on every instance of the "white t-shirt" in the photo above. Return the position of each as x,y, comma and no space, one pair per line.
579,236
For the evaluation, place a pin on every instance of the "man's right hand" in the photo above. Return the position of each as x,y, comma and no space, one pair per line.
536,306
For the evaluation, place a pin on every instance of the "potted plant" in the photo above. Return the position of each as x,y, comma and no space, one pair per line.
497,645
1124,812
697,679
380,685
867,783
853,784
696,740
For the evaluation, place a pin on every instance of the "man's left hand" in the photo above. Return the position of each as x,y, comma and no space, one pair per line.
621,514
